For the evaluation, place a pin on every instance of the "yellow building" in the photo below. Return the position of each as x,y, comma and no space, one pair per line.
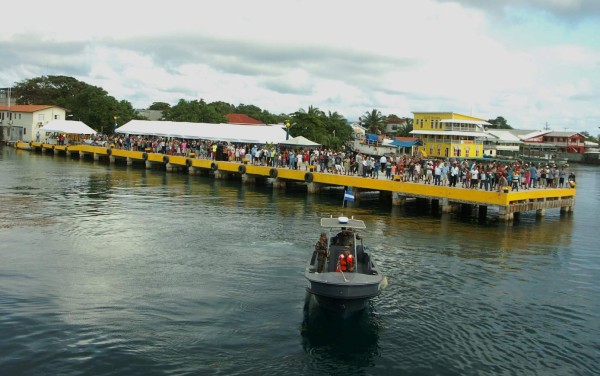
449,135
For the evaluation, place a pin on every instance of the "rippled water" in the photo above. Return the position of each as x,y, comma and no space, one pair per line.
116,270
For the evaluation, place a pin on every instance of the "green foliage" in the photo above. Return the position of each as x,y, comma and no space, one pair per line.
195,112
223,108
588,136
405,129
159,106
330,130
90,104
499,123
259,114
374,121
95,107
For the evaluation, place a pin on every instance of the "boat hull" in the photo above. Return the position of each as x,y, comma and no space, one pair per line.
341,306
334,293
346,291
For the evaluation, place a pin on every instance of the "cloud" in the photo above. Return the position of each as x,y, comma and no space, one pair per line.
566,10
529,61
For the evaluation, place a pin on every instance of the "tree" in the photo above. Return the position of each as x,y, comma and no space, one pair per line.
499,123
195,112
588,136
259,114
89,104
308,124
374,121
49,90
223,108
330,130
405,129
159,106
337,126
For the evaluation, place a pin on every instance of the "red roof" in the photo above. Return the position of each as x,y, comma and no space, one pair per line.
241,119
27,107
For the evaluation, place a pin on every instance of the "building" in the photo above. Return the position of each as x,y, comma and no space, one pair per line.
450,135
547,144
151,114
504,145
566,141
4,96
242,119
22,122
393,125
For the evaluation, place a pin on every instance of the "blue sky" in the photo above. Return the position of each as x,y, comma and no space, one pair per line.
530,61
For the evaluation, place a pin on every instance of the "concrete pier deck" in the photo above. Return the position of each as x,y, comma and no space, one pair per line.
447,199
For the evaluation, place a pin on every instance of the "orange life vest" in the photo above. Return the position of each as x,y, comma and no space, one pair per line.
345,263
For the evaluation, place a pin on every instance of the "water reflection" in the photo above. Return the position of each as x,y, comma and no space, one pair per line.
340,345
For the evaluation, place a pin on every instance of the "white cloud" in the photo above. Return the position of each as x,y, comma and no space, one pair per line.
344,56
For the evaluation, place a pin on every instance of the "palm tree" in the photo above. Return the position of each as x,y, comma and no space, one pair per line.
373,121
405,129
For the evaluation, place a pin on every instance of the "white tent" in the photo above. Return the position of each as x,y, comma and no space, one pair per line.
67,126
299,141
252,134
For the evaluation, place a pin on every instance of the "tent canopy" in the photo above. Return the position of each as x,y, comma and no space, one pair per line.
252,134
299,141
404,144
67,126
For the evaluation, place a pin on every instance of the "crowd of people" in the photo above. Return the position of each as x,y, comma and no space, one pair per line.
470,174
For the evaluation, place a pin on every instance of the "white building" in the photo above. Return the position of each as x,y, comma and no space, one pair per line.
22,122
504,144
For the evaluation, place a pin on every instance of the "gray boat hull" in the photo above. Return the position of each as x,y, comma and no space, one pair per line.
343,292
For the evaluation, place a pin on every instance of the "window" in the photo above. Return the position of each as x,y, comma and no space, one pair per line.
41,117
56,117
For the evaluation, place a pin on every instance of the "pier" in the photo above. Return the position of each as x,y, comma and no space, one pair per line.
509,204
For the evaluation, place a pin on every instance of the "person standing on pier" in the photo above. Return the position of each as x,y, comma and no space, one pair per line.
502,182
454,172
383,163
533,176
437,174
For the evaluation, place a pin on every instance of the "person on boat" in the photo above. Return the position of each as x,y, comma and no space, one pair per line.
343,237
345,261
322,252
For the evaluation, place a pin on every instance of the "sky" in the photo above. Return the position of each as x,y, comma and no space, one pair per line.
534,62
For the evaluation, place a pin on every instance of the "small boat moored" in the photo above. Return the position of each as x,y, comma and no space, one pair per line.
344,277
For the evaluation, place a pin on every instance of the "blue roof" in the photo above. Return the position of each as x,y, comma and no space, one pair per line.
404,144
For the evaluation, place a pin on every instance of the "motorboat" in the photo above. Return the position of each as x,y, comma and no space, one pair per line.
349,291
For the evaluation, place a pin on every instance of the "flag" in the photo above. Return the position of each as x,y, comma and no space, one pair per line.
348,196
